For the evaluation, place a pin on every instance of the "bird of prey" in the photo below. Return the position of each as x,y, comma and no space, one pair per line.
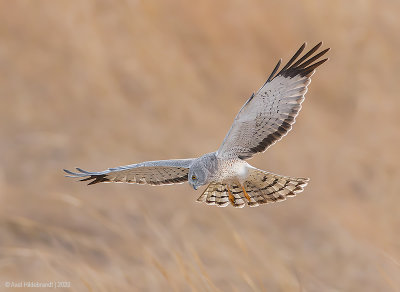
264,119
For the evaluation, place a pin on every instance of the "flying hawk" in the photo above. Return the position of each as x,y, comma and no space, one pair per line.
264,119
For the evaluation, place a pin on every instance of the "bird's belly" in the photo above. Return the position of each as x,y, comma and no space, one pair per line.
232,171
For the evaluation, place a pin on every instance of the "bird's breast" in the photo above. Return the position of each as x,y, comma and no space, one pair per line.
231,170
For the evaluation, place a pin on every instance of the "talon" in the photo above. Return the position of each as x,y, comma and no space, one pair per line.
245,193
231,197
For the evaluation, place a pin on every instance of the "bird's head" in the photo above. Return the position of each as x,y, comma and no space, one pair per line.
197,175
200,172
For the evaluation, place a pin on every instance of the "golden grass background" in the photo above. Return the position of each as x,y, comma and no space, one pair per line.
97,84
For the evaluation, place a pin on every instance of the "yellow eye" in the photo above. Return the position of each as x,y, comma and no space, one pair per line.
194,177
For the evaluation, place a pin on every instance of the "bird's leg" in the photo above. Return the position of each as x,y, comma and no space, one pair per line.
245,193
231,197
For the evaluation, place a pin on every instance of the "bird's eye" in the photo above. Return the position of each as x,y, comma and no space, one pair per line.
194,177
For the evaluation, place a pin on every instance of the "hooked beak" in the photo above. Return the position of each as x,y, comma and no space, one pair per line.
195,188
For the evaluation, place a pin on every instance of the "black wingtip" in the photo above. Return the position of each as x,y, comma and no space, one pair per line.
82,171
307,71
67,171
288,64
71,174
97,179
303,66
87,176
274,71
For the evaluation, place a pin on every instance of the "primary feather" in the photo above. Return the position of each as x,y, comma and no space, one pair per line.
161,172
268,114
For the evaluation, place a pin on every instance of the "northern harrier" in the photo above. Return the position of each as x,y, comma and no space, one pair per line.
263,120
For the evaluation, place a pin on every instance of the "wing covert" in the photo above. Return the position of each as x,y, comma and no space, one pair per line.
269,114
162,172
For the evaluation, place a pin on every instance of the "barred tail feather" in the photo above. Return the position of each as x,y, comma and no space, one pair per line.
260,187
219,194
265,187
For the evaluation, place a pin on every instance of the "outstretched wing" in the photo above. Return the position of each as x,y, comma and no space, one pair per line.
268,115
162,172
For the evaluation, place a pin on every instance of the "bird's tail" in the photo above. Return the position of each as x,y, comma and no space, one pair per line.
260,187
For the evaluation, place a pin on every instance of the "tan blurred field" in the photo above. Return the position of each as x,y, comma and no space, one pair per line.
97,84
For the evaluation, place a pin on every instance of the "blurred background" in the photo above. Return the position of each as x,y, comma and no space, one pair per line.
97,84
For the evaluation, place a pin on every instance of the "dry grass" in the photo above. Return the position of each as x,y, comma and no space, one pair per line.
99,83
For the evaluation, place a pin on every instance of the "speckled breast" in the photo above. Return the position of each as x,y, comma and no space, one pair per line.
231,170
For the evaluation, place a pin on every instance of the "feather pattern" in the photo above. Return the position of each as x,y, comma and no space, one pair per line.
260,187
264,119
269,114
162,172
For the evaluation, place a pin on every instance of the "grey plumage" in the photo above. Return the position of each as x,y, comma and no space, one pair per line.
270,113
161,172
264,119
